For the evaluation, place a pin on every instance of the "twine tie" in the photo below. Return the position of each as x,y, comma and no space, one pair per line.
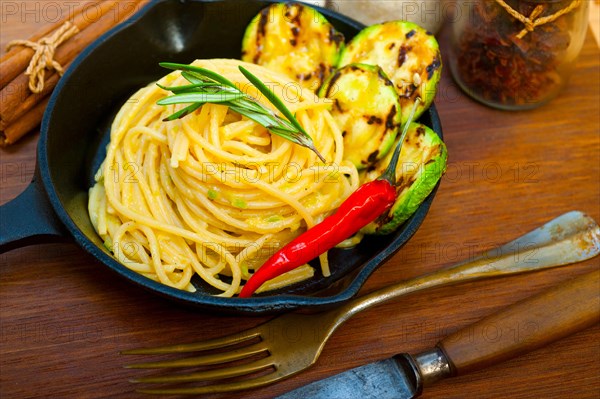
533,21
43,57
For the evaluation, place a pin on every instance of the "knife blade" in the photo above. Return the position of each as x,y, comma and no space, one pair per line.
519,328
385,379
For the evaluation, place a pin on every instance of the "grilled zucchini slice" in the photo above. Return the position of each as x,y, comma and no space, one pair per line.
366,108
295,40
407,53
421,165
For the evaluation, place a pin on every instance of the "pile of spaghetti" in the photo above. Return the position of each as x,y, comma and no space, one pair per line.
215,194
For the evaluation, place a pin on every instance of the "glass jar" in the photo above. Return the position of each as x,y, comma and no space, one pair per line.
426,13
514,54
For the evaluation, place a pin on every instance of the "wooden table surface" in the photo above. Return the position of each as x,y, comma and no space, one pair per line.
64,317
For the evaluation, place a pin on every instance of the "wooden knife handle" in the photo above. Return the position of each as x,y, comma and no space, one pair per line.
526,325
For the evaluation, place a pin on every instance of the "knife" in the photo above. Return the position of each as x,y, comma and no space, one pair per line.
515,330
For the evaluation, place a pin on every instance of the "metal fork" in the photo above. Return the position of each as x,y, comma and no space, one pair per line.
293,342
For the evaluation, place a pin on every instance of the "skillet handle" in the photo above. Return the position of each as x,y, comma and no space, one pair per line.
29,219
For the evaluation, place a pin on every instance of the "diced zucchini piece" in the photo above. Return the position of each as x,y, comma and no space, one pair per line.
421,165
407,53
295,40
366,109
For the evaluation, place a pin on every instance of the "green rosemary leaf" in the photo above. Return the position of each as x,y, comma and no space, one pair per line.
269,120
261,119
188,88
286,133
201,97
202,71
183,112
272,97
253,106
192,78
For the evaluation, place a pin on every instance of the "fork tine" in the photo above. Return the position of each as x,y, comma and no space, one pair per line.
206,360
214,343
217,388
226,372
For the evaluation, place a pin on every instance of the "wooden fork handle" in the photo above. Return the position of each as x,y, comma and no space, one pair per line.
526,325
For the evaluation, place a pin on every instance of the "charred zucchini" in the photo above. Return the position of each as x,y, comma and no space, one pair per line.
366,109
295,40
422,163
407,53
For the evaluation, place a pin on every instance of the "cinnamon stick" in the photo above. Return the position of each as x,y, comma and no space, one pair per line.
10,115
42,32
16,60
24,124
16,99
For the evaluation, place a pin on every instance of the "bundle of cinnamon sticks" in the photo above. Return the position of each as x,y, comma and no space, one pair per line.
21,110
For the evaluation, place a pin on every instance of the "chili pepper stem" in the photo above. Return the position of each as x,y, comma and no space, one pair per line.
390,172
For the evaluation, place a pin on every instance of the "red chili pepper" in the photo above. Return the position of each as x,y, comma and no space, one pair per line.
366,204
362,207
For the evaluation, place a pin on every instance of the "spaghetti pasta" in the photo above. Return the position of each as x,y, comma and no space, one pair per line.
215,194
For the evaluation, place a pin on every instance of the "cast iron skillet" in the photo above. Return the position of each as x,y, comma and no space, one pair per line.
75,130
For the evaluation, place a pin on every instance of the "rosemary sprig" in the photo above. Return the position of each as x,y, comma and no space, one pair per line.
207,86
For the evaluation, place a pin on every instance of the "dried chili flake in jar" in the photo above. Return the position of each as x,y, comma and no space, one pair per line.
514,54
